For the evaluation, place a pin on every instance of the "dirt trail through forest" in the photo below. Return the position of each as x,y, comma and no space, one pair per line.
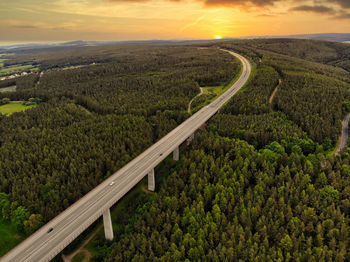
190,103
82,249
343,138
275,91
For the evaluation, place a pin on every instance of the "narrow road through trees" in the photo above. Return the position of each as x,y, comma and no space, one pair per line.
275,91
343,139
190,103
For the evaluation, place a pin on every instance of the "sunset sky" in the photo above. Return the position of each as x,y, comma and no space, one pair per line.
65,20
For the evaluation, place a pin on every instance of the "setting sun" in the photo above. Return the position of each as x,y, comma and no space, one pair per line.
218,37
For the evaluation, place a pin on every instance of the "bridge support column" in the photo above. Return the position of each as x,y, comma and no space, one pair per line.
176,154
190,138
107,223
151,181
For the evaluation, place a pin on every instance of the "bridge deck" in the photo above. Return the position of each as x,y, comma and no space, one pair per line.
44,245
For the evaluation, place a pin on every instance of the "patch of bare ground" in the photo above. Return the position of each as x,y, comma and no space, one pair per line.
275,91
145,190
82,249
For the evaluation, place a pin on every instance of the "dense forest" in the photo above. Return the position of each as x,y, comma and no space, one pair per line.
310,94
259,183
329,53
230,202
92,120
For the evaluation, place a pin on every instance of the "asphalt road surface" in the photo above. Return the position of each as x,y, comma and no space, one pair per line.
53,237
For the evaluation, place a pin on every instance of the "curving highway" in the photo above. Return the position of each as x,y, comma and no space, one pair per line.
53,237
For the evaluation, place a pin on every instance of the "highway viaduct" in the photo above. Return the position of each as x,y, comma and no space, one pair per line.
54,236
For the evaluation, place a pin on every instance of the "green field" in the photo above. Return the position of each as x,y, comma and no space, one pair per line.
14,107
9,237
79,257
2,62
216,90
16,69
219,90
8,89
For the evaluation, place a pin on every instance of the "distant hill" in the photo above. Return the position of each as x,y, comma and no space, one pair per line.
334,37
325,37
19,47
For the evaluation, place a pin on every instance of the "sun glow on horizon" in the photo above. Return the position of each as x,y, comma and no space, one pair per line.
119,20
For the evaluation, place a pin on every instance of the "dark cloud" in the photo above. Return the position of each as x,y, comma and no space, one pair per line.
258,3
58,28
321,6
315,9
342,3
265,15
25,26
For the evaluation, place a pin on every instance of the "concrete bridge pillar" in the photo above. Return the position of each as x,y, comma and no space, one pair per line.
151,181
176,154
107,223
190,138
